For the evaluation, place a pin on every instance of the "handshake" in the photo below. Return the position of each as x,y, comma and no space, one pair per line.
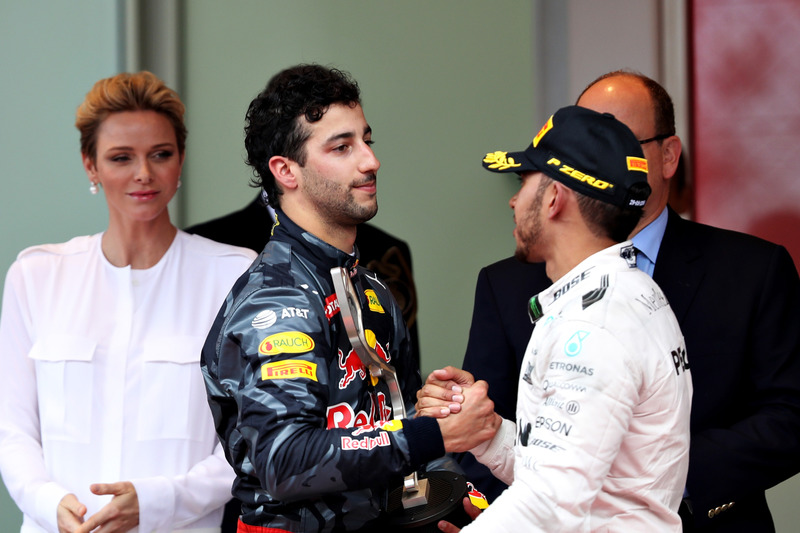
461,406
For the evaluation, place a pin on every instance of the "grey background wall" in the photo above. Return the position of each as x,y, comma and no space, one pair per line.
443,82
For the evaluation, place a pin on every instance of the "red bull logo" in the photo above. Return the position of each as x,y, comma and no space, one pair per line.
367,443
382,353
342,415
352,366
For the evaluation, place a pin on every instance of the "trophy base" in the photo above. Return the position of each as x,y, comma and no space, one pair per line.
446,492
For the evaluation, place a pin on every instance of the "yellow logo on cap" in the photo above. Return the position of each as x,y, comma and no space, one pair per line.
547,127
500,160
580,176
637,163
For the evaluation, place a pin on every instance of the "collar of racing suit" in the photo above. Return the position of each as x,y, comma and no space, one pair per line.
319,252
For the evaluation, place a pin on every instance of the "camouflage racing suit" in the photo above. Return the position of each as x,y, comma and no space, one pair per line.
301,420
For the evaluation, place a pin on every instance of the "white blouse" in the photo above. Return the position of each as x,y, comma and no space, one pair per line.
100,381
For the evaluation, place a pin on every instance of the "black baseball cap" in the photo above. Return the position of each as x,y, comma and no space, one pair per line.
593,153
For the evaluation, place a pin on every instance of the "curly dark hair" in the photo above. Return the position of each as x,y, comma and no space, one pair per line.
272,125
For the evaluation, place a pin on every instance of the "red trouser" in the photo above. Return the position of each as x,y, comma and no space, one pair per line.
246,528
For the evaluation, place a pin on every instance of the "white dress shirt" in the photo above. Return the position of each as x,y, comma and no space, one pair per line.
100,381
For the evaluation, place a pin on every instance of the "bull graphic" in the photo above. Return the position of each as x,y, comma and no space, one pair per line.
352,366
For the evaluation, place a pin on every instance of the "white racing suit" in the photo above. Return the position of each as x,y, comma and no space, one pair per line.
602,431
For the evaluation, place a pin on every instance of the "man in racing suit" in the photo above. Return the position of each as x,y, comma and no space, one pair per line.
308,431
601,439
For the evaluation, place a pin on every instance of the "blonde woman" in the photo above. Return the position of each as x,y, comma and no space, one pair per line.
104,424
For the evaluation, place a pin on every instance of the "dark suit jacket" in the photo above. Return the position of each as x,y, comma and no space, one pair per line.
737,299
379,251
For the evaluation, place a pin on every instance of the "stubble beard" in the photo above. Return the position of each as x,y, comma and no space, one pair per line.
336,202
529,229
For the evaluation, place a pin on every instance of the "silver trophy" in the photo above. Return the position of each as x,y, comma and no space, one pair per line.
423,501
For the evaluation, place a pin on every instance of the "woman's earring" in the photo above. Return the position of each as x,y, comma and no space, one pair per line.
93,188
179,184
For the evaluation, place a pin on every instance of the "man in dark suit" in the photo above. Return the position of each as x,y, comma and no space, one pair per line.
384,254
737,299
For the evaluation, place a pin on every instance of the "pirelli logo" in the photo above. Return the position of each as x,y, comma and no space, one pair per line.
580,176
547,127
289,369
637,163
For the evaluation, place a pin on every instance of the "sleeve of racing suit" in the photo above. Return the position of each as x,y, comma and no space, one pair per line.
561,461
281,385
498,453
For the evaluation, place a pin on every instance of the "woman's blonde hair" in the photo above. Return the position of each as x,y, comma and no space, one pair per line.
142,91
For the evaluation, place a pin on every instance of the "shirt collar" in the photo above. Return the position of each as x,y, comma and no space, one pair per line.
648,240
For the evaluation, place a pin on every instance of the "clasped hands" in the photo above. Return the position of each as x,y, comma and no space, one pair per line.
465,415
461,406
121,514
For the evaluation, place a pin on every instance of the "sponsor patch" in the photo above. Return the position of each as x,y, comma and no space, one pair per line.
286,342
264,319
476,497
680,360
571,367
580,176
637,163
289,369
571,407
561,291
554,425
352,366
372,299
367,443
547,127
392,425
563,385
331,306
574,344
294,312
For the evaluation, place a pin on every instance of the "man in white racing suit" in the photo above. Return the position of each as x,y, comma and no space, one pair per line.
601,438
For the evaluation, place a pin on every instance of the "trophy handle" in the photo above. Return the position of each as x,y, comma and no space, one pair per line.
415,491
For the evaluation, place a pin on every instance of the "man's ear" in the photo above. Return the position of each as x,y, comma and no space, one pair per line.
284,171
670,155
555,198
